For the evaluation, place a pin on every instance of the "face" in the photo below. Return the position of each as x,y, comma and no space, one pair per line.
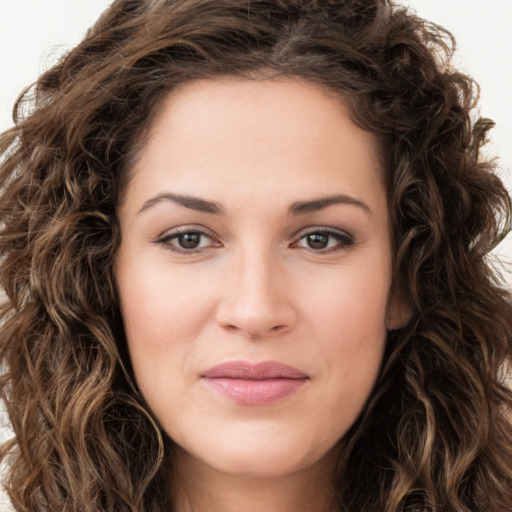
254,273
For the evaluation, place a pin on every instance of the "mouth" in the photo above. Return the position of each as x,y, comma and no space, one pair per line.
259,384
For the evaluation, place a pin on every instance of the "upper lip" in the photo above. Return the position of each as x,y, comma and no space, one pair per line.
248,371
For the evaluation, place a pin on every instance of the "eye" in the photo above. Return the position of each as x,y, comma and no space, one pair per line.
325,240
188,240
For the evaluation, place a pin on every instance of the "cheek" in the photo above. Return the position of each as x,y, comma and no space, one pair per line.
157,301
351,304
163,315
348,315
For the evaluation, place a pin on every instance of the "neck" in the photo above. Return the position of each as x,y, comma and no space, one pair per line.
201,488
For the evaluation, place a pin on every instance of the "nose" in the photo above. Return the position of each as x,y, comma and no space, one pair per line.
256,300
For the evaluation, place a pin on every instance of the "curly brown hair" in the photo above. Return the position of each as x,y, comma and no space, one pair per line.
436,431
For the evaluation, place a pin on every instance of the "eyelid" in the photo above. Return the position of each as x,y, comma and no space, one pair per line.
168,235
345,238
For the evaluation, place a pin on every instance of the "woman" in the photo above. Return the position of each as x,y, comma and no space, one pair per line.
244,253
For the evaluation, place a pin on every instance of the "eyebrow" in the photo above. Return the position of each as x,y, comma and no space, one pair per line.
302,207
194,203
297,208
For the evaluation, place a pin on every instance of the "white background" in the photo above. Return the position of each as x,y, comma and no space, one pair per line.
33,33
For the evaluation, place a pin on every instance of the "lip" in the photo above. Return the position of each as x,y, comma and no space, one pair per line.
254,384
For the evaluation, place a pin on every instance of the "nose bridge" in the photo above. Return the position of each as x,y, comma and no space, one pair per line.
254,273
255,300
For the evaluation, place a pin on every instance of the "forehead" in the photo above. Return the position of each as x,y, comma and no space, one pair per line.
274,134
260,107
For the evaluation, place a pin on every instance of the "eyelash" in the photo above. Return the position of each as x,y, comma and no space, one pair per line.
169,238
345,240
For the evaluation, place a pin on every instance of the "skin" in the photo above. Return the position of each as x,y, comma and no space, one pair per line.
265,282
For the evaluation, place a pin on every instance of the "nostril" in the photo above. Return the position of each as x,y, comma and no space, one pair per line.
254,332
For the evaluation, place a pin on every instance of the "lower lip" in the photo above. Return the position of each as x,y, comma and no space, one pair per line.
255,392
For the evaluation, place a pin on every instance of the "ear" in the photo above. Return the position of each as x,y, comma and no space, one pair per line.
399,312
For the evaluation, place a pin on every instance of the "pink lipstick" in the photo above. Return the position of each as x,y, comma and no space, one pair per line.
259,384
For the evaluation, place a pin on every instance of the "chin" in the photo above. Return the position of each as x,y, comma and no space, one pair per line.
256,454
269,464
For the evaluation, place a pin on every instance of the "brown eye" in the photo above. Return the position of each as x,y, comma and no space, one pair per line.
190,240
325,240
317,240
